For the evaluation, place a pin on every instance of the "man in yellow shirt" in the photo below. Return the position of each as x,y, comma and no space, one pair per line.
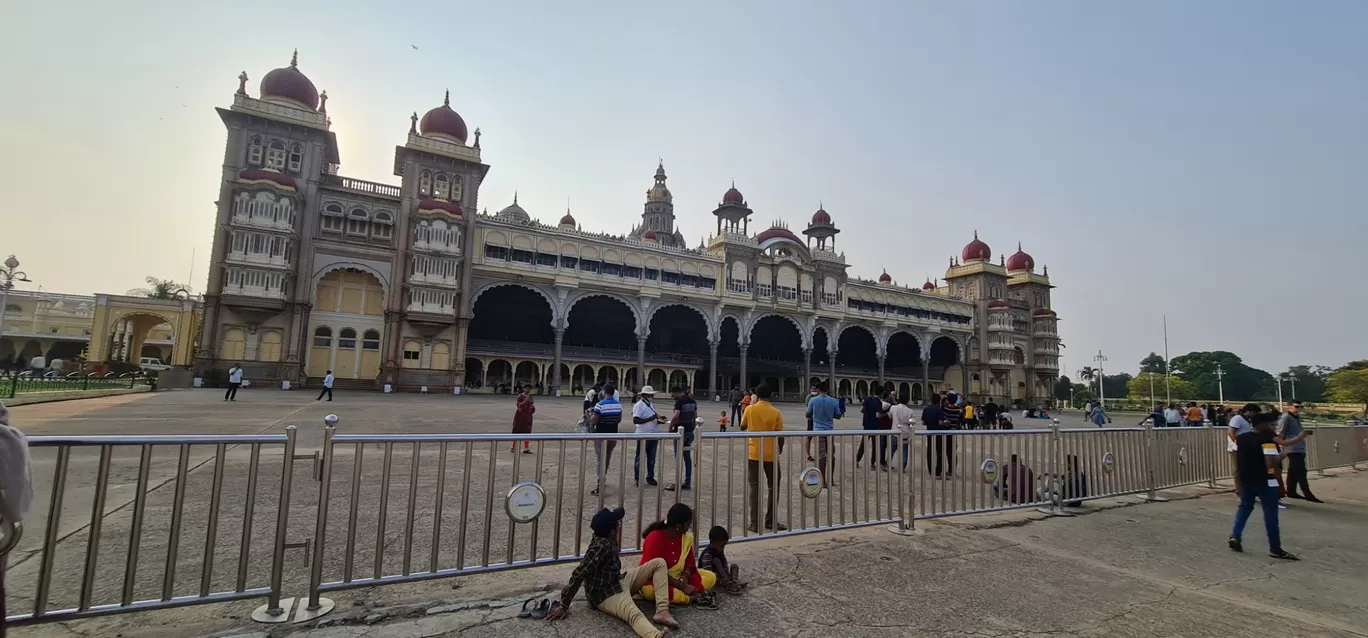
762,416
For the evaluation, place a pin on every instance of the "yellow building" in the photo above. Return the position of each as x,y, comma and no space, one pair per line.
59,326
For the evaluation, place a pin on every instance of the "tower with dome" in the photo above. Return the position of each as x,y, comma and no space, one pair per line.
412,283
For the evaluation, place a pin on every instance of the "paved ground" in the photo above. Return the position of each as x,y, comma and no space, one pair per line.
1101,574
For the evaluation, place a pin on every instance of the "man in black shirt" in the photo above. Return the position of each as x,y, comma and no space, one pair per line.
685,412
1257,459
934,419
988,415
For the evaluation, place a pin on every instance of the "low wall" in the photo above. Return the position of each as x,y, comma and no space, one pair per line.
30,398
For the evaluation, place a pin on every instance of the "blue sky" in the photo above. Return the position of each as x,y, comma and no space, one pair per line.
1208,160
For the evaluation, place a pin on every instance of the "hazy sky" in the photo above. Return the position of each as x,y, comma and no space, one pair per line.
1208,160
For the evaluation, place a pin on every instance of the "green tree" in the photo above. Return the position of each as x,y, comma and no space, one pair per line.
1349,386
1152,363
1242,383
1062,388
1310,382
162,289
1083,395
1116,384
1178,388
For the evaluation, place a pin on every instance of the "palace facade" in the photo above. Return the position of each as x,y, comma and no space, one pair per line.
407,285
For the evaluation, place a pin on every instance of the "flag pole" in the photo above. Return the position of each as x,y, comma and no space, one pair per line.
1168,393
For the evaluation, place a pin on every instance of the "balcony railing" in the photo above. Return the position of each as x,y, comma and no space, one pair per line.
362,186
260,259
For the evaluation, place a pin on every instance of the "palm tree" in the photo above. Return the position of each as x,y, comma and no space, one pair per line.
162,289
1089,374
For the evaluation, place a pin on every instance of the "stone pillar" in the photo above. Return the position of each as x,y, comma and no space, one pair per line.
882,359
641,363
926,379
556,371
712,368
832,386
745,378
459,353
964,376
807,371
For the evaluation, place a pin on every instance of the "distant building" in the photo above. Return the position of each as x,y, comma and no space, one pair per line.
58,326
407,284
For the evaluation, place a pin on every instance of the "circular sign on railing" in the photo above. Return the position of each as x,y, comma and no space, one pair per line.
989,470
810,482
1108,462
525,502
1182,456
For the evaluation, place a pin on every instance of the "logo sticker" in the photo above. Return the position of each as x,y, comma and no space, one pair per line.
810,482
1108,462
989,469
525,502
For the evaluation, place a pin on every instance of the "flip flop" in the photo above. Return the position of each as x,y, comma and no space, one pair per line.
541,610
526,611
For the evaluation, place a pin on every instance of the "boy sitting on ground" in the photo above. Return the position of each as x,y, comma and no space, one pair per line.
714,559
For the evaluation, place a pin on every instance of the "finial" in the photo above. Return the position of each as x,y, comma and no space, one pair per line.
821,206
1046,271
975,233
1018,246
477,137
242,83
446,99
413,125
294,59
515,197
323,101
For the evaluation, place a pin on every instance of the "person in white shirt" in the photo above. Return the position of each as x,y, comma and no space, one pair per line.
327,387
903,419
234,382
646,420
1172,417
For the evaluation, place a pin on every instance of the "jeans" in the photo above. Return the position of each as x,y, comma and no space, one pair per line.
944,446
688,456
1296,474
736,415
231,394
883,450
1268,498
651,447
771,486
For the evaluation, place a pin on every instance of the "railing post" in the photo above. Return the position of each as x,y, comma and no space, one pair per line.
273,611
1313,453
319,606
1151,494
1057,482
907,524
85,382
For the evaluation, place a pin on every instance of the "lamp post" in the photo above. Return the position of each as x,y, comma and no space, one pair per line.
1101,379
1292,378
1279,379
1220,384
8,275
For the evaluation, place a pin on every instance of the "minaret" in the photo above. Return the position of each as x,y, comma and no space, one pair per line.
659,211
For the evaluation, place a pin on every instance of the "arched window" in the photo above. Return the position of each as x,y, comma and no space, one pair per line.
275,156
270,346
322,337
383,227
412,354
441,188
441,356
296,158
346,338
333,218
371,340
455,188
13,307
425,183
357,221
254,151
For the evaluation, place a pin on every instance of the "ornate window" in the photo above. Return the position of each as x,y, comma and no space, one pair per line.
322,337
346,338
412,354
333,218
370,340
358,221
296,158
441,188
254,151
275,156
383,227
425,183
456,188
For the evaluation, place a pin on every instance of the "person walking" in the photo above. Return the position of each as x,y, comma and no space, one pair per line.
604,418
933,417
16,489
1294,443
591,397
1194,415
870,410
903,419
988,414
1257,459
1172,416
1099,416
609,589
761,455
234,382
327,387
522,419
1239,424
647,421
823,410
734,401
685,415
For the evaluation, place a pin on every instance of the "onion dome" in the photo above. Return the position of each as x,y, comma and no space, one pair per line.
733,196
443,122
1020,261
999,304
649,235
659,192
514,212
567,219
821,217
438,206
977,250
929,285
1044,312
885,278
289,85
777,232
271,178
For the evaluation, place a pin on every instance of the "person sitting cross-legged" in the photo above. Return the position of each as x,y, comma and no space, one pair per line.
608,589
671,541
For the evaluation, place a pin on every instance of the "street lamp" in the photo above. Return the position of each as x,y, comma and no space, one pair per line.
8,275
1279,379
1292,378
1101,378
1220,384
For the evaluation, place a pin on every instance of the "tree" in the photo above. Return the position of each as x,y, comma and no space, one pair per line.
1062,388
162,289
1349,386
1088,373
1115,385
1153,363
1310,382
1178,388
1083,395
1242,383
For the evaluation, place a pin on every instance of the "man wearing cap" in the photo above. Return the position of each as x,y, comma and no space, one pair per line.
645,418
608,588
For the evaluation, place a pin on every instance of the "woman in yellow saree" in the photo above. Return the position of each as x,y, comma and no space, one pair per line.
672,541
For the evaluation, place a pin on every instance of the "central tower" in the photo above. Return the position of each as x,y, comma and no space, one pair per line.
658,214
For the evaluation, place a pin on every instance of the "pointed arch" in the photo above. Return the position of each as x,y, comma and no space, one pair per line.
555,318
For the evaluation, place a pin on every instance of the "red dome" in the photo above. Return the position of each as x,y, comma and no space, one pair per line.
977,250
436,205
1020,261
650,234
821,217
885,277
1044,312
567,220
733,196
289,83
999,303
928,285
443,121
777,233
252,175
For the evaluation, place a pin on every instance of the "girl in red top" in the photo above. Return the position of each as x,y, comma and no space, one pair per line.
672,541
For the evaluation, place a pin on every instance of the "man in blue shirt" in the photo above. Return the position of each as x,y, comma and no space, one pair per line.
823,411
604,419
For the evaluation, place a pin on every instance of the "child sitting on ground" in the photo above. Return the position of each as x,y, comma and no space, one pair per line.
714,558
722,422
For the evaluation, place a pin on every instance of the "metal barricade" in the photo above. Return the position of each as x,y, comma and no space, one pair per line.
1111,461
971,471
1333,446
205,536
1187,455
477,503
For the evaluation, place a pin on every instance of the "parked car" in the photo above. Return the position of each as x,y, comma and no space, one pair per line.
152,363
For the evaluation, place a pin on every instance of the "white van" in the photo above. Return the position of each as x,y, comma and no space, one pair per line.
152,363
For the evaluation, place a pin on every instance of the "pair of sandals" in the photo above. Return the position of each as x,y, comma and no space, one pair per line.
707,600
537,609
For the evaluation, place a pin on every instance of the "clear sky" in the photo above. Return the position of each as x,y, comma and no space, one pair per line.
1204,159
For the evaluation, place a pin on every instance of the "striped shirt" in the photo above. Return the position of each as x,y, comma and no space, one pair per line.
609,413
